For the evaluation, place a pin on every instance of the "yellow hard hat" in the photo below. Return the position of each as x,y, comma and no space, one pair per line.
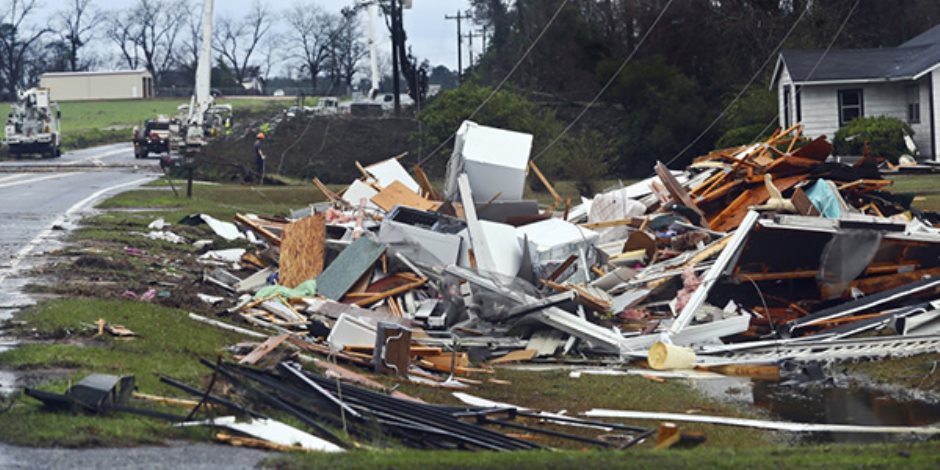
261,136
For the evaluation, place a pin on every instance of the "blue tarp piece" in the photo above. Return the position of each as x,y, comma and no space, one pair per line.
826,198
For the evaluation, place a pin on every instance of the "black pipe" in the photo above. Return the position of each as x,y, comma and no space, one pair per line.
280,404
211,398
565,419
547,432
385,406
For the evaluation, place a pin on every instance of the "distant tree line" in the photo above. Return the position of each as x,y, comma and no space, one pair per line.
163,36
691,66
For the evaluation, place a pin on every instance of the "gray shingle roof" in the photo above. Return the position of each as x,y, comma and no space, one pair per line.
890,63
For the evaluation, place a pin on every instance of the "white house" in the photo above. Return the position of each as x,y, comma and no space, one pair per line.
824,92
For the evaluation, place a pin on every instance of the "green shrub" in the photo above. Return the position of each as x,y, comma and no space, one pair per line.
885,137
587,157
744,135
505,110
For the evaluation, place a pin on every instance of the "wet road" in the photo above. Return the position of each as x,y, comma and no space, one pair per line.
38,198
188,456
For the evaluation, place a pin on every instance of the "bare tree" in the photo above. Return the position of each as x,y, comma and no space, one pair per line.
192,44
237,40
121,30
311,29
271,55
147,34
17,42
347,49
75,25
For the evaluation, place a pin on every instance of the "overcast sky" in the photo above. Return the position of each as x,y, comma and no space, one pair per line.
429,35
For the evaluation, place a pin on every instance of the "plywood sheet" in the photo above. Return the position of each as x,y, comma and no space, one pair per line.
399,194
302,252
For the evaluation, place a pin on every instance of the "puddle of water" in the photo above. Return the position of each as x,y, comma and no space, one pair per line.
841,405
830,404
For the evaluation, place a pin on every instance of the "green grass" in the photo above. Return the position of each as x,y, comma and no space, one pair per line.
919,372
89,123
83,115
925,186
921,455
555,391
221,201
168,343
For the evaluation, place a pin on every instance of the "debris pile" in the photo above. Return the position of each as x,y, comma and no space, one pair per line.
761,246
749,257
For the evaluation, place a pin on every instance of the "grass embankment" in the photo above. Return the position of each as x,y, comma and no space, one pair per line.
926,187
90,123
61,347
168,343
171,344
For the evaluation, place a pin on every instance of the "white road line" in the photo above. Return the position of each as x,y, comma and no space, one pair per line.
98,156
39,178
80,205
15,176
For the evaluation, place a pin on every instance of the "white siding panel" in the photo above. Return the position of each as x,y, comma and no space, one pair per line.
936,110
922,129
820,110
784,81
886,99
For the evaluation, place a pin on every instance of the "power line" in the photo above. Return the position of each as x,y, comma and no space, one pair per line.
607,85
721,115
459,18
799,90
504,80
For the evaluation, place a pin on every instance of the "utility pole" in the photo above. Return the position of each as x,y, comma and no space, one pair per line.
484,33
396,73
470,37
459,18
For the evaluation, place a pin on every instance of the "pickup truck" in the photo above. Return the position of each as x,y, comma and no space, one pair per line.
154,137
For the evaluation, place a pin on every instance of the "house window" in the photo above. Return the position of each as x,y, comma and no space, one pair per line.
913,103
786,107
851,105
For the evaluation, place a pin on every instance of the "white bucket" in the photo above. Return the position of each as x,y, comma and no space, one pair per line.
664,356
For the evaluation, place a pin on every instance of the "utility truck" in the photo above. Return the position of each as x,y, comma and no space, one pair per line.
33,125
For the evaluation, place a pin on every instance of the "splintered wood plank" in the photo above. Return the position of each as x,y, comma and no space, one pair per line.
425,183
678,193
263,349
257,228
302,250
818,150
520,355
802,203
397,194
734,213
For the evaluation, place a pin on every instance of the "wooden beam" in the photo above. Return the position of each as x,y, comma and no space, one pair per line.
678,193
383,295
425,183
267,234
551,189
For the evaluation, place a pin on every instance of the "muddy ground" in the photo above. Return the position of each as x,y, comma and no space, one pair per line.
307,145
